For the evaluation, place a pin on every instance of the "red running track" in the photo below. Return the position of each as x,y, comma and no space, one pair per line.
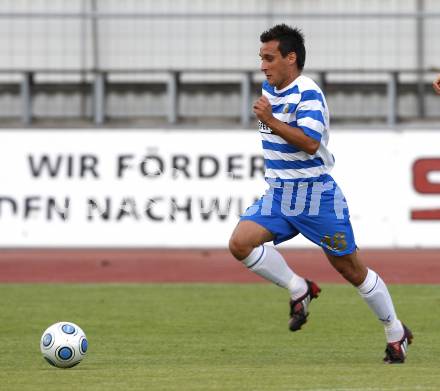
167,265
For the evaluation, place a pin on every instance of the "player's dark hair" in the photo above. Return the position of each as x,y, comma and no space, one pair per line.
290,40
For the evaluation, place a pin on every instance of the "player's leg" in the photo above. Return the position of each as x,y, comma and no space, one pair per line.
373,290
328,225
247,245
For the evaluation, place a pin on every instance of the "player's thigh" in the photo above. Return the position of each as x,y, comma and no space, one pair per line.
249,234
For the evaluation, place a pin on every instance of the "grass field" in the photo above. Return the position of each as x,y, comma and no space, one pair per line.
215,337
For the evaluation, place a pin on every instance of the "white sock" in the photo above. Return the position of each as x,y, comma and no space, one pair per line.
375,293
268,263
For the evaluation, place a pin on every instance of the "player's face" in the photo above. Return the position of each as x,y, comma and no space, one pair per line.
278,69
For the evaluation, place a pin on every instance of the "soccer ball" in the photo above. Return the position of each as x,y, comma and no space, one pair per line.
63,344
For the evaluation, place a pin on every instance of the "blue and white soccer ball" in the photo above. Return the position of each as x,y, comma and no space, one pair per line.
64,344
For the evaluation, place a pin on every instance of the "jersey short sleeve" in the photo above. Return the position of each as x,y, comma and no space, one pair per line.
310,114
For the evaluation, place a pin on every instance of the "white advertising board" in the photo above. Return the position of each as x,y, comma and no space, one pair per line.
153,188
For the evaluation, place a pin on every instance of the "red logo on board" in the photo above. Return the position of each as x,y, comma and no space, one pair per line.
422,184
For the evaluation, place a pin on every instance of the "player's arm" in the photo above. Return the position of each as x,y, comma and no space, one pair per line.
436,84
295,136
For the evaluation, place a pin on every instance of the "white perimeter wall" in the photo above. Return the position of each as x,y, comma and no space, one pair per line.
374,169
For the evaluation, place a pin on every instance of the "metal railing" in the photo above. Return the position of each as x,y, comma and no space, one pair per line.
173,83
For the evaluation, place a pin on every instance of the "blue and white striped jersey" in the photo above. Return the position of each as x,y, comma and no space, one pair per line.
302,105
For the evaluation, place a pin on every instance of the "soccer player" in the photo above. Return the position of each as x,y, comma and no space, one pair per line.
436,84
302,196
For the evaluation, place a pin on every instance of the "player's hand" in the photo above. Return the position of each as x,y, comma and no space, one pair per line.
436,84
263,109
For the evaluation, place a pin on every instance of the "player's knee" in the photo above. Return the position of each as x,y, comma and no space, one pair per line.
239,248
350,273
